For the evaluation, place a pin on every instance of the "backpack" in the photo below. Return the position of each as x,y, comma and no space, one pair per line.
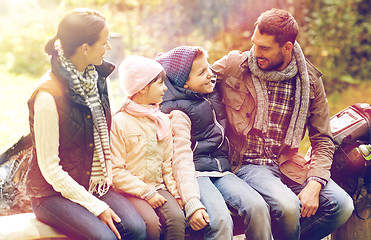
351,167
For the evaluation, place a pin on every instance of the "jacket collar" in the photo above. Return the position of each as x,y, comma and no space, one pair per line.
104,70
176,93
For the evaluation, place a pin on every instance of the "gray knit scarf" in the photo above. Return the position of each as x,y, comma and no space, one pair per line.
299,114
85,85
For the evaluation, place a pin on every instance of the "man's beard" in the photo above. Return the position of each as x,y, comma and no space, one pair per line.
274,65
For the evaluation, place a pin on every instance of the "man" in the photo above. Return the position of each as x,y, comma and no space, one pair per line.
272,94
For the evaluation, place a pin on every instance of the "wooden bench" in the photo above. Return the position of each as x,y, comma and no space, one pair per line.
356,228
25,226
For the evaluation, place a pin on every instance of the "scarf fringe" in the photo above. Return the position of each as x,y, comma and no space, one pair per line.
99,186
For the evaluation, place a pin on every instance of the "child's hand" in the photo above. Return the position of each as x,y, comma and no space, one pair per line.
157,201
199,219
180,202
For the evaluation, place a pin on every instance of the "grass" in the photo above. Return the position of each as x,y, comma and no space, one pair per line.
15,91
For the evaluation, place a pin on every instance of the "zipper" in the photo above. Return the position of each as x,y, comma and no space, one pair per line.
216,122
194,148
228,144
218,162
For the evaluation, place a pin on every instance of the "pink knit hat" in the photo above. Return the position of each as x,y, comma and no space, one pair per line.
136,72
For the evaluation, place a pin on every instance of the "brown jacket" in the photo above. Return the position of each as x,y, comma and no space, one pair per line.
239,97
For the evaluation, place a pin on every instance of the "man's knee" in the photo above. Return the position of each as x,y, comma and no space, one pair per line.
347,206
338,203
344,209
287,210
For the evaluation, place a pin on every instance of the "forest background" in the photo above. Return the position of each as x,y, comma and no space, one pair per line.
334,34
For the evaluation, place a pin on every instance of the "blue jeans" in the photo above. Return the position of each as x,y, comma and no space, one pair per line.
217,191
335,205
77,222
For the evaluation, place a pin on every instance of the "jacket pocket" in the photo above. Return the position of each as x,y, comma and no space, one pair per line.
295,168
132,141
239,104
235,93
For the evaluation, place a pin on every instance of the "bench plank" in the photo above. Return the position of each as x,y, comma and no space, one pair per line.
25,226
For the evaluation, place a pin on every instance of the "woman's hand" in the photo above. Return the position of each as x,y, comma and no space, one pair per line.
180,202
107,217
157,201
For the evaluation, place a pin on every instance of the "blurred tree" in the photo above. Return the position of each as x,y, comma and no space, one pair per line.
24,27
148,26
337,36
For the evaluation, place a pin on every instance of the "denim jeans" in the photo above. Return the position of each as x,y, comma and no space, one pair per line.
335,205
77,222
217,191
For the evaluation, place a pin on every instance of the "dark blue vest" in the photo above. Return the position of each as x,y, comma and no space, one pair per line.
76,141
209,143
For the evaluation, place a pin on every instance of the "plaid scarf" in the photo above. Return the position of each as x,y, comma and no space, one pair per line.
85,85
299,114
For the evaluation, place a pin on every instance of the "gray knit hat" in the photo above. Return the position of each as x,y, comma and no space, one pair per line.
177,63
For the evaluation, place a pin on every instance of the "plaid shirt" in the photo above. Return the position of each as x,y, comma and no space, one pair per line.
263,148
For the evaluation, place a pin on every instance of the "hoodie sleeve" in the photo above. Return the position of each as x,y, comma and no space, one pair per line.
167,170
183,166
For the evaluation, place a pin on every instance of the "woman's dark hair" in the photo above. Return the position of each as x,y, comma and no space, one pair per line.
279,23
77,27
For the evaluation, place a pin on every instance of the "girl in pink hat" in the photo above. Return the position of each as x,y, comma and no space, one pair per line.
141,145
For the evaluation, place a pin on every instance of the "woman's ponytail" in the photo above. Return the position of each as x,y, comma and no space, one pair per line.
50,45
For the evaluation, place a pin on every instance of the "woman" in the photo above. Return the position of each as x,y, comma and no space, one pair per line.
70,176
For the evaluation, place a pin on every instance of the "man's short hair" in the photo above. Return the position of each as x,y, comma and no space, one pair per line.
279,23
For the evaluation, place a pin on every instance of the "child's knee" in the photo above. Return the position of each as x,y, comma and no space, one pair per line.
221,221
177,219
153,227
